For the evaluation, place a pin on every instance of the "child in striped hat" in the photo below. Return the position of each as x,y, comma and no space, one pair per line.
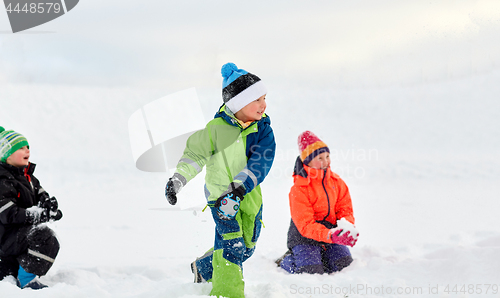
322,224
27,249
237,148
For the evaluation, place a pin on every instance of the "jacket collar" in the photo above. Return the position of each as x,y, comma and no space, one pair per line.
15,171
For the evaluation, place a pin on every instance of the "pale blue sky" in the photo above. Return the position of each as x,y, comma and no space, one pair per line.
177,45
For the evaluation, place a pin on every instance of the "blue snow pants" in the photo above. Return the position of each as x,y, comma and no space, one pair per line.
222,265
320,259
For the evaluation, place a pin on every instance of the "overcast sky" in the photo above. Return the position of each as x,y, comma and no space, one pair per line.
182,44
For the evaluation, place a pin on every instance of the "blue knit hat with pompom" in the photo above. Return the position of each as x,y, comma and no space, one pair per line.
239,87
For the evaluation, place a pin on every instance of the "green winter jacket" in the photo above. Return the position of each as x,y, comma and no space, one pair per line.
230,154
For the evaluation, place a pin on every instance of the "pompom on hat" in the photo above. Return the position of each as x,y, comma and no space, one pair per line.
239,87
10,142
310,146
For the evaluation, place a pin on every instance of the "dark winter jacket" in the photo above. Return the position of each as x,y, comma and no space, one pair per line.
318,199
19,190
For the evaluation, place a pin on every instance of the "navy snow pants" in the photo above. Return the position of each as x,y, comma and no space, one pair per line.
320,259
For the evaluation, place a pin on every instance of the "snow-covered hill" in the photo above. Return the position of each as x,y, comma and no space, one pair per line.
422,163
404,93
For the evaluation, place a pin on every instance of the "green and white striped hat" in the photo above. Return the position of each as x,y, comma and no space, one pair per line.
10,142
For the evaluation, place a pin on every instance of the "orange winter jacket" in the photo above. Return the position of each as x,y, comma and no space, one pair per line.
318,199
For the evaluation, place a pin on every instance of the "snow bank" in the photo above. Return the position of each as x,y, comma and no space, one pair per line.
421,163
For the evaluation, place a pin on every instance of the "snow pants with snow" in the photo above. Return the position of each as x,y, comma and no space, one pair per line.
234,243
320,259
35,249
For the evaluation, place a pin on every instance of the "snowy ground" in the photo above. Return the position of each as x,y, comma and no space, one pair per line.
422,163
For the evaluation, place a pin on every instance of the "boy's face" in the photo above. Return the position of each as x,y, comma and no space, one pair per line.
20,158
252,111
321,161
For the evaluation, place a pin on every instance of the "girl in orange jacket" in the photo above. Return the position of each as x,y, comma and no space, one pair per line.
322,224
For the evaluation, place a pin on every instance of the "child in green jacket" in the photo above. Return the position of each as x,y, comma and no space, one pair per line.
237,147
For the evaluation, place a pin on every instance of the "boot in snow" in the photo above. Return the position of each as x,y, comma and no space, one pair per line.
197,276
280,259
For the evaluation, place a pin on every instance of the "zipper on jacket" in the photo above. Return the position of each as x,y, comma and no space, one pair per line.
327,197
28,177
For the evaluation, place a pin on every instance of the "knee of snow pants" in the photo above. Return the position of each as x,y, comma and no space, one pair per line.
288,263
230,251
336,257
307,259
205,262
42,251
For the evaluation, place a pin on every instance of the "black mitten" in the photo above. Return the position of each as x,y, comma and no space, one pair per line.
52,206
173,187
56,215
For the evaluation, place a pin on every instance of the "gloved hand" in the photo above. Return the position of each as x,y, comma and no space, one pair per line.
173,187
49,204
44,197
52,206
342,238
345,233
36,215
57,215
228,204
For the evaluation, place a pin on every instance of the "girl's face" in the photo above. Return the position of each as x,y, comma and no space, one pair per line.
20,158
252,111
321,161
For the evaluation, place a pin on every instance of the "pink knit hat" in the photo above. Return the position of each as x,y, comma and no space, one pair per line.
310,146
